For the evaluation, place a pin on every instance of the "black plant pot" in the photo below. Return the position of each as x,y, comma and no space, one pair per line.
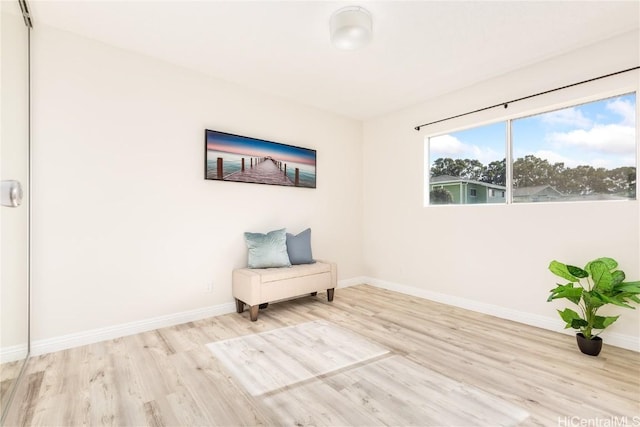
591,347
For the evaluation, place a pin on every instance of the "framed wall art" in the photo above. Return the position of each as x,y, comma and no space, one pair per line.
230,157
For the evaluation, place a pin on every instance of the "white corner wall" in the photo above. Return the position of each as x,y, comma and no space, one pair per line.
125,227
494,258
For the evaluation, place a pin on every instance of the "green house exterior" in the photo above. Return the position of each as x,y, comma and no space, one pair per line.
467,191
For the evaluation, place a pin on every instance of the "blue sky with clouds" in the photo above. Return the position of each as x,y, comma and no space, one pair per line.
600,134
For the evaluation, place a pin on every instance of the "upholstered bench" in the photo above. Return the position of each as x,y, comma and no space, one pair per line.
256,286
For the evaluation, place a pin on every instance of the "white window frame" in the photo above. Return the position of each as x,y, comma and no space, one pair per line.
590,92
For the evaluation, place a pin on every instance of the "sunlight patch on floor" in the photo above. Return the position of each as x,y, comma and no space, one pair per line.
275,359
318,373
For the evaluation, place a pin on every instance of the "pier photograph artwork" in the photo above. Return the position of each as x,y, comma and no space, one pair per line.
230,157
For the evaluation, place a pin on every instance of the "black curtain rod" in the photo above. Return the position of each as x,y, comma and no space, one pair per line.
506,104
25,13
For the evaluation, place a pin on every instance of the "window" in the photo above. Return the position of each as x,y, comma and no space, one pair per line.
584,152
464,162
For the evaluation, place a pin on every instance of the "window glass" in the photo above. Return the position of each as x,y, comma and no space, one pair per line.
468,166
585,152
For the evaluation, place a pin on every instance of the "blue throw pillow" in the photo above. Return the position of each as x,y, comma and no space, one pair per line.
299,248
267,250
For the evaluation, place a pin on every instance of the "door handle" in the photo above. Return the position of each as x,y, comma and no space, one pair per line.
11,192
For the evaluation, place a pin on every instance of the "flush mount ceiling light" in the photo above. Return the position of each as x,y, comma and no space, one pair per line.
350,27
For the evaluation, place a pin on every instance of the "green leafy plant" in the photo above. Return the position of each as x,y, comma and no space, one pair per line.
440,196
590,288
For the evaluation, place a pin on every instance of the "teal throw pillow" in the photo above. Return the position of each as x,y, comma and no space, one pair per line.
299,248
267,250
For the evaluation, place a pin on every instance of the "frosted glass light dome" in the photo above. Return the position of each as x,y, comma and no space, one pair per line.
350,27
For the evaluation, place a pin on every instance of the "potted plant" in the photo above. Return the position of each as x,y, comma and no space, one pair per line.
590,288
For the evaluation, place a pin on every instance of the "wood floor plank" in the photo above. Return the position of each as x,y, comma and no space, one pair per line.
168,377
153,414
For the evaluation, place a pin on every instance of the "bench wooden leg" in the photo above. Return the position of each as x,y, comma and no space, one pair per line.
313,294
239,306
330,294
253,312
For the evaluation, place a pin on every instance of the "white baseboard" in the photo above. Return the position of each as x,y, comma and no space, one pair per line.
13,353
96,335
111,332
615,339
352,282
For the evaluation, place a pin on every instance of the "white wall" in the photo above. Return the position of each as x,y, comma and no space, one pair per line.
494,258
125,226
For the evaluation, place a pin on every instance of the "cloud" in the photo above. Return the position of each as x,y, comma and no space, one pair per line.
609,139
450,146
447,146
599,144
568,116
625,109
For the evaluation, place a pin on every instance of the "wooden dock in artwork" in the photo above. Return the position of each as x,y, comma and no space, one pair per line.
268,171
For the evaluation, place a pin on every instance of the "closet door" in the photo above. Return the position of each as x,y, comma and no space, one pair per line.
14,213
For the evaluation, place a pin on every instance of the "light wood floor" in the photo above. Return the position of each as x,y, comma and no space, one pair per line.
9,372
169,377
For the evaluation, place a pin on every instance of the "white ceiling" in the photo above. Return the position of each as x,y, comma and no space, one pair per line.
420,49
